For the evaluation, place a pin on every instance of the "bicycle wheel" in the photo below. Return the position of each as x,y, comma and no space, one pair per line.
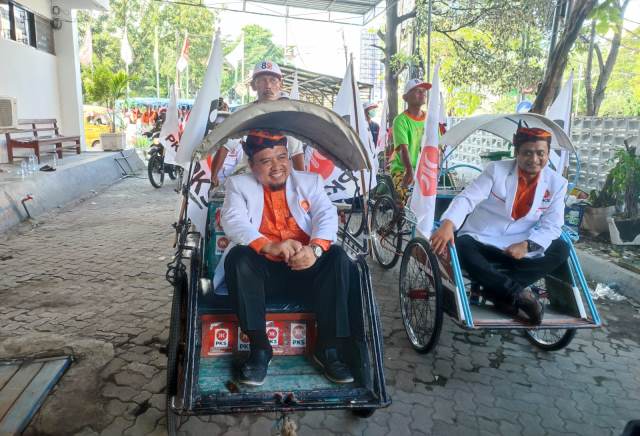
421,295
386,228
155,169
550,339
355,223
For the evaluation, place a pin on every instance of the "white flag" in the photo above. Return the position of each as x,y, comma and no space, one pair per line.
423,198
235,56
125,49
383,134
170,132
183,60
205,108
295,88
560,113
340,185
86,51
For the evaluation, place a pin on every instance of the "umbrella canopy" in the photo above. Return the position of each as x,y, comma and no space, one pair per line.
505,127
327,131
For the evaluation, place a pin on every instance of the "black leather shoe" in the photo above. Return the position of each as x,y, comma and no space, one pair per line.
529,303
254,370
506,308
334,369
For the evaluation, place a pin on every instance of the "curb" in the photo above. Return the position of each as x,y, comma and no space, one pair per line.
599,270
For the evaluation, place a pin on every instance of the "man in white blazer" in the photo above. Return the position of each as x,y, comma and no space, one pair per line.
514,215
282,225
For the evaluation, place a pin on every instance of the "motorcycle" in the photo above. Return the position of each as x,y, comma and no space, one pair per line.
157,168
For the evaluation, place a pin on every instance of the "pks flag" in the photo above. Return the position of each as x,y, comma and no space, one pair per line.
339,184
205,108
383,136
560,113
295,88
423,198
235,56
125,49
170,132
183,60
86,51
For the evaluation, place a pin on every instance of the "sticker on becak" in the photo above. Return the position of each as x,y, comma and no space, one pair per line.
243,341
320,165
298,335
221,244
221,338
427,173
272,335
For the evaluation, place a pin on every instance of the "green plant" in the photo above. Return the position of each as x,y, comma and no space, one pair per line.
625,180
105,86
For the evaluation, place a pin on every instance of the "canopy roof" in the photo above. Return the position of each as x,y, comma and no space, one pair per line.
505,127
319,88
325,129
352,12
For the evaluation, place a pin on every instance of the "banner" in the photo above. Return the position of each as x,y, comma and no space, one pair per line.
170,132
86,51
423,198
205,108
560,113
338,184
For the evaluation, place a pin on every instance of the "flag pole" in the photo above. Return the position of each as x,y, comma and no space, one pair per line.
365,199
156,52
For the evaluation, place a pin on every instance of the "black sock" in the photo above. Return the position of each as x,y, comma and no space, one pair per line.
258,339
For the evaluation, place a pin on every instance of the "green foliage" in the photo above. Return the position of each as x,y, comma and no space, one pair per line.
625,180
104,86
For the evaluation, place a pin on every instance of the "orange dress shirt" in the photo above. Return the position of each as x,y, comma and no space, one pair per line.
279,225
524,196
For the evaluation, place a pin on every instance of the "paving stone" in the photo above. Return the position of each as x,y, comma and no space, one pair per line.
488,382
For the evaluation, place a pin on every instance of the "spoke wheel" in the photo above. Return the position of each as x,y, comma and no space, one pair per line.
386,227
421,295
155,169
354,221
548,339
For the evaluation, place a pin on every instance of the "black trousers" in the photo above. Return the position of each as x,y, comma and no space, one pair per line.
252,277
484,264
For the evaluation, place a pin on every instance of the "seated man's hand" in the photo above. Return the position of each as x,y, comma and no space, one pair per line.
303,259
284,250
214,180
407,180
517,250
442,237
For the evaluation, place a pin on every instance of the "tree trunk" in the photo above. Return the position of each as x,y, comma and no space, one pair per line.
559,55
587,75
605,73
391,47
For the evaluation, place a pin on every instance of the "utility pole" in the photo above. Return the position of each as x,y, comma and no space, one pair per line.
430,9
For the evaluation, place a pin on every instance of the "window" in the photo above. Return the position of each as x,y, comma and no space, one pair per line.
23,26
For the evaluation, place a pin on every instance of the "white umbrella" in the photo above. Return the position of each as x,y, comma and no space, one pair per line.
505,126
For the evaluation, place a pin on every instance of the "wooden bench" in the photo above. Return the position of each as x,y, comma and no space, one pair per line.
39,133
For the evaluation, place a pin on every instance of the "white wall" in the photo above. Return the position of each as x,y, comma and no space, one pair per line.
31,76
41,7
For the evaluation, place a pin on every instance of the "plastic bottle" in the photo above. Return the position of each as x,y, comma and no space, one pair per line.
24,169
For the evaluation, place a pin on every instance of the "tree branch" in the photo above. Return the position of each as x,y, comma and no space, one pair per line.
381,34
405,17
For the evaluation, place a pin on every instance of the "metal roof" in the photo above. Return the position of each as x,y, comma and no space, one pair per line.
352,12
319,88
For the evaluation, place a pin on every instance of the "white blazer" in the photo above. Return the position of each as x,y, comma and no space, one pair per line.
489,199
241,214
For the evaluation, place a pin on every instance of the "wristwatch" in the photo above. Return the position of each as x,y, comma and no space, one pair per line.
532,246
317,250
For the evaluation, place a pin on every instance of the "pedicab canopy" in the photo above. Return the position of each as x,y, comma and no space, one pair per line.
326,130
505,126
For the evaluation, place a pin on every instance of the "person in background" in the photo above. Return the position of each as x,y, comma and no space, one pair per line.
369,113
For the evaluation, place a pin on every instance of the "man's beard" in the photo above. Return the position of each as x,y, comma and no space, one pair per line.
277,187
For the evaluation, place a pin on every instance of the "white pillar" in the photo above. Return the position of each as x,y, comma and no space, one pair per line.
69,79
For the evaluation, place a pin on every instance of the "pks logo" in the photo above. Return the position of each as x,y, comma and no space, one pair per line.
243,341
547,196
273,336
320,165
221,338
222,243
427,174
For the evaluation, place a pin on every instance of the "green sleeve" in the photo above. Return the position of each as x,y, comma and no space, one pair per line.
400,132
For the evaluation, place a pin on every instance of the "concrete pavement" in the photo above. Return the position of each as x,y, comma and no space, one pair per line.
89,281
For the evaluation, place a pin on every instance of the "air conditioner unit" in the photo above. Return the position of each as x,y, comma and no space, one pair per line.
8,113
